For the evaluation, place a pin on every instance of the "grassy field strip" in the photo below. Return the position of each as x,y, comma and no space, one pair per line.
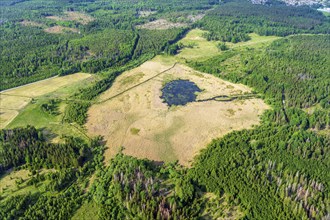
46,86
255,40
199,49
12,101
8,90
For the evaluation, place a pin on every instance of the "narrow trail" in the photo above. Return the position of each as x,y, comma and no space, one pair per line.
137,85
283,105
225,98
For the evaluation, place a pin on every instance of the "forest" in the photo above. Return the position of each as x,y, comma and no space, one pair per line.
278,169
28,53
238,18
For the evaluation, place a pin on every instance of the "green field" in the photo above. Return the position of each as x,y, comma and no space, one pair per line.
41,93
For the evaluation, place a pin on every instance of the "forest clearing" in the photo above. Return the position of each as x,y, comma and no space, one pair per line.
12,101
73,16
132,114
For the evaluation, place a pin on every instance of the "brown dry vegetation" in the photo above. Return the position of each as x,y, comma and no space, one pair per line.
31,23
60,30
167,134
73,16
160,24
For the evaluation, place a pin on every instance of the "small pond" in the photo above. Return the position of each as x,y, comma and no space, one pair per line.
179,92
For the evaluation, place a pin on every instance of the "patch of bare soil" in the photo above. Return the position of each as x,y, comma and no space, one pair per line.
31,23
60,30
73,16
143,14
161,24
194,18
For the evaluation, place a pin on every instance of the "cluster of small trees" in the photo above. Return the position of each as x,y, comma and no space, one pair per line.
137,189
21,146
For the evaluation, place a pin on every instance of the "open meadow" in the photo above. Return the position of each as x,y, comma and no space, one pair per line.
197,48
14,101
132,114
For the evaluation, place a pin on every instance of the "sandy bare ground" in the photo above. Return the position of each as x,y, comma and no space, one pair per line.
31,23
144,14
138,120
60,30
13,100
73,16
194,18
161,24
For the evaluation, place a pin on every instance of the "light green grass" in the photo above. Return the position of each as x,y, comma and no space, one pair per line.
8,186
203,49
326,13
255,42
88,211
218,208
53,127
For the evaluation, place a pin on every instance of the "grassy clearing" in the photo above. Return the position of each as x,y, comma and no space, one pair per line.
60,30
31,23
178,133
326,13
73,16
31,113
15,183
13,101
88,211
144,14
168,134
199,49
160,24
46,86
255,42
52,125
220,208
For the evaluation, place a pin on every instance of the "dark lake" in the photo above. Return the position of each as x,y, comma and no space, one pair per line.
179,92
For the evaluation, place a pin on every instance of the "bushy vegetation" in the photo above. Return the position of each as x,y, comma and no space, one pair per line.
21,146
61,191
138,189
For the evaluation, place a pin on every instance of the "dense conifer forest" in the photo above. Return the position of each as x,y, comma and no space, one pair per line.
278,169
